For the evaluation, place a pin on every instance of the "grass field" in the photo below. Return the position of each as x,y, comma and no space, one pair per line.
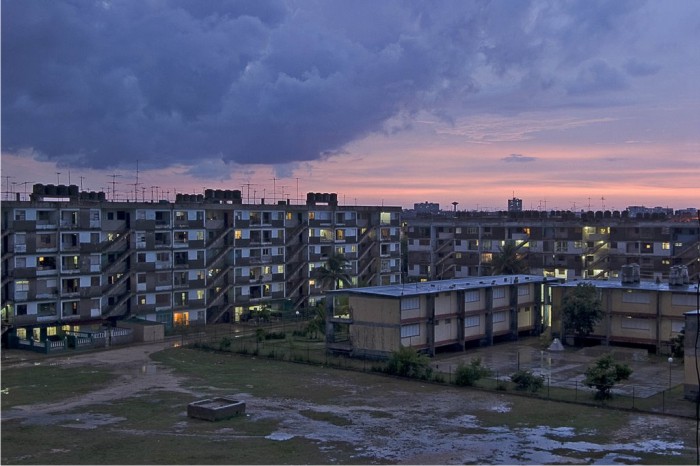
308,414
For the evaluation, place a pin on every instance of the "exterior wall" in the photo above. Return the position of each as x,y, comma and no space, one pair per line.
691,365
376,327
560,244
648,315
439,315
198,260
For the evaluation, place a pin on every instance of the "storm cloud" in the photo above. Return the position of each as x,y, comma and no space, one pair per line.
102,84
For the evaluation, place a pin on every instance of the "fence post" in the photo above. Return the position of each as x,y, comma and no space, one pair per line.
633,396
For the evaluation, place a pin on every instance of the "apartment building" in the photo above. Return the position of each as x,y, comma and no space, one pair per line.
77,260
636,312
439,315
567,245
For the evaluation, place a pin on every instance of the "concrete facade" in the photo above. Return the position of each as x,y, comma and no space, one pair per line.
439,315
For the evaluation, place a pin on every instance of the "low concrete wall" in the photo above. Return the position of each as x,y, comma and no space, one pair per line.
215,409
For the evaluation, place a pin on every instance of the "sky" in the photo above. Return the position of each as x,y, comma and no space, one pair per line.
584,104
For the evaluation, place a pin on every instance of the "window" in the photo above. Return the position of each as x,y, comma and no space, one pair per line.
499,293
22,285
412,330
95,280
561,246
499,317
163,299
665,246
683,299
141,278
410,303
20,262
636,297
632,323
524,291
472,321
21,310
46,263
47,309
472,296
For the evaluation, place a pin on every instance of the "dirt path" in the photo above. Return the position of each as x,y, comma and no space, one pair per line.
137,373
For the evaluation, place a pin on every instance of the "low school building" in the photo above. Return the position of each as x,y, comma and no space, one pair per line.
436,316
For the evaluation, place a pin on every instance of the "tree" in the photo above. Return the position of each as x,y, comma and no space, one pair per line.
318,321
581,309
678,345
333,272
508,261
604,374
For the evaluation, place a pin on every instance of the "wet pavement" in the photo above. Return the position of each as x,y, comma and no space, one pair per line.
651,374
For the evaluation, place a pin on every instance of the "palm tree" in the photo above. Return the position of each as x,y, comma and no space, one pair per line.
333,272
509,261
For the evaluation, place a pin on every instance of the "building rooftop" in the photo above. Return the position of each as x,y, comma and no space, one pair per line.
437,286
642,285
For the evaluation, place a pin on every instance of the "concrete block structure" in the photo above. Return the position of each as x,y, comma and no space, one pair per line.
437,315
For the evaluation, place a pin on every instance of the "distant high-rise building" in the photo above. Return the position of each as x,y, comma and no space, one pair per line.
515,205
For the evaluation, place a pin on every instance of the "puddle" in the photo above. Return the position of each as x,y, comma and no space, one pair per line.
279,436
149,369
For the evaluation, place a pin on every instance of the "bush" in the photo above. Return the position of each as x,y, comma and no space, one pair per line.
527,381
468,375
225,344
275,336
407,362
604,374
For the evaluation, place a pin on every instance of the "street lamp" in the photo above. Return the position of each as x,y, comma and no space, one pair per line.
670,361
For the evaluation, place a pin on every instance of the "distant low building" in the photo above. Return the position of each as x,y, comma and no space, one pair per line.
641,313
439,315
426,208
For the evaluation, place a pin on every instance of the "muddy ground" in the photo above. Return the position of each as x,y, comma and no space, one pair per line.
440,436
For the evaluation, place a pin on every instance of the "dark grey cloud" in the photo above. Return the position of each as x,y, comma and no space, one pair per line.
597,77
639,68
102,84
519,158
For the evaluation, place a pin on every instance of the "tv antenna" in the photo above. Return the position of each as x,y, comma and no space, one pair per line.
114,185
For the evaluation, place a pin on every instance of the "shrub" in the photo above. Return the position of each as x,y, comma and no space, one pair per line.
275,336
225,344
604,374
527,381
407,362
468,375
